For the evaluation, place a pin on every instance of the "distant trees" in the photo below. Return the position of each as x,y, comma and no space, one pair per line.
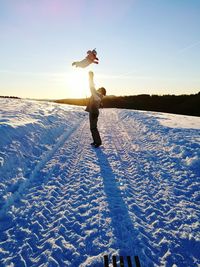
73,101
10,97
182,104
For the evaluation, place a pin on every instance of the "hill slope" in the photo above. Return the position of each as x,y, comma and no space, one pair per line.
64,203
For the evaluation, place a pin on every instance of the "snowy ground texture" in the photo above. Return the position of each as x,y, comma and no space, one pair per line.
64,203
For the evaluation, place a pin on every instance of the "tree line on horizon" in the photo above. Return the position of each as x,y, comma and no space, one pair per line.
15,97
181,104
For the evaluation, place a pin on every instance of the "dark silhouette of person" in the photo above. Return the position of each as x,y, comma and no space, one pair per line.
95,102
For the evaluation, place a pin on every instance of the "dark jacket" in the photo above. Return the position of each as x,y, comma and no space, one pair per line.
95,100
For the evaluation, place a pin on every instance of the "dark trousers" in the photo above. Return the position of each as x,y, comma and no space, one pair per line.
93,117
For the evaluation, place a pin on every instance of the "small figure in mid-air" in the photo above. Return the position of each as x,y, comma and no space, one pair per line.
90,58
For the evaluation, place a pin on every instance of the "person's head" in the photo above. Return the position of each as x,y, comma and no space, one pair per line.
102,91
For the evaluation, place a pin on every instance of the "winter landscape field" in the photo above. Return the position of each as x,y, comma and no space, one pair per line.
65,203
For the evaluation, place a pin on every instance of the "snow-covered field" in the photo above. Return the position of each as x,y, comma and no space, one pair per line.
64,203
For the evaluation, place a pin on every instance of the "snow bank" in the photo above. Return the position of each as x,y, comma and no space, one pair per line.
29,131
179,121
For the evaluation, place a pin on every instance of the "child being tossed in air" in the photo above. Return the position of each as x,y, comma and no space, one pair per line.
90,58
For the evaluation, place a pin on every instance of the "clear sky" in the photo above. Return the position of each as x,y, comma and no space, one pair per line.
144,46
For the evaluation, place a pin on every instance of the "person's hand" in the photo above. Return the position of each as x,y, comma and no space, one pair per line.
91,74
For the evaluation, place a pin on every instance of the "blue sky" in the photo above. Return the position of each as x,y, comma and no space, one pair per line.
144,46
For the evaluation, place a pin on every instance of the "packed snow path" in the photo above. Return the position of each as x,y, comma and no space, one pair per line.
72,204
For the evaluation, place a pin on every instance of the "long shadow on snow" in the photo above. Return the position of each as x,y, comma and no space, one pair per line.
126,240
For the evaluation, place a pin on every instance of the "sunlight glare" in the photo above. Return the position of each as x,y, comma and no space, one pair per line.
77,83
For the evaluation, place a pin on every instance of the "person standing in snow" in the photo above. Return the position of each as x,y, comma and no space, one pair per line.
95,102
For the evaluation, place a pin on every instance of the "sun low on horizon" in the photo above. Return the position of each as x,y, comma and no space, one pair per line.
77,83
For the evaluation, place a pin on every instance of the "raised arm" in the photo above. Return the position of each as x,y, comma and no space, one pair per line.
91,83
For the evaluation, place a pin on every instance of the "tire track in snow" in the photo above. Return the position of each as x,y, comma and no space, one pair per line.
42,162
119,160
58,218
132,181
152,187
41,213
65,212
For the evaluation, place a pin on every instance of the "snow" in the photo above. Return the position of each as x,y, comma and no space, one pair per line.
179,121
64,203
